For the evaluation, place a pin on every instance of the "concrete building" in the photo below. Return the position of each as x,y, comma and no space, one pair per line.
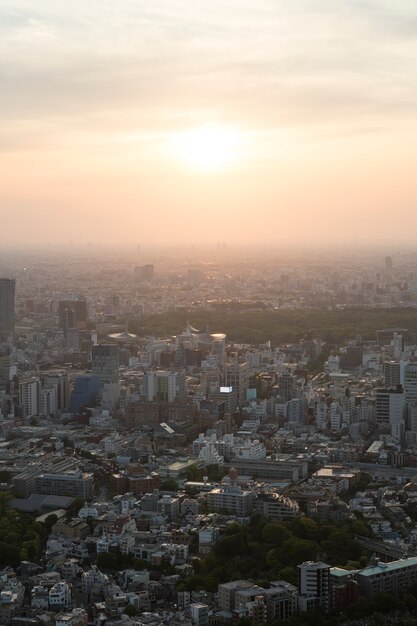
7,307
75,484
85,392
169,506
395,577
281,600
29,397
236,375
60,596
410,382
313,585
72,313
392,374
276,507
227,593
163,386
59,379
105,363
390,406
230,497
199,614
48,401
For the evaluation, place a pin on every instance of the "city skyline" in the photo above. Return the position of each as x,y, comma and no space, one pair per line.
240,122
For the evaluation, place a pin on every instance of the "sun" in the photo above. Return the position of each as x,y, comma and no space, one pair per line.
210,148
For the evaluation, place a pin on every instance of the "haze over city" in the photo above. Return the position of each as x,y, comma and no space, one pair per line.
265,122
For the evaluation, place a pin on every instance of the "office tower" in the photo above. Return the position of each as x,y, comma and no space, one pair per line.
218,348
226,396
58,379
236,375
5,370
392,374
321,415
48,404
388,264
386,336
105,363
296,410
164,386
85,392
390,406
410,382
286,384
72,313
313,585
7,296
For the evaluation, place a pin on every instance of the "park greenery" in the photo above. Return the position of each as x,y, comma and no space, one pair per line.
21,536
279,326
264,551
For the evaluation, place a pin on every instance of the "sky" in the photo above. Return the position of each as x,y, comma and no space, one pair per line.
203,121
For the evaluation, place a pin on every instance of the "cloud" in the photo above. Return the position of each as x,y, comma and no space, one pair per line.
102,66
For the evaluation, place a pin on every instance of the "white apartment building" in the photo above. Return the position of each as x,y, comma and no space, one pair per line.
60,596
313,585
29,397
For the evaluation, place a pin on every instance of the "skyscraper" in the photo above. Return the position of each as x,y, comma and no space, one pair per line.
236,375
7,294
105,363
72,313
392,374
410,382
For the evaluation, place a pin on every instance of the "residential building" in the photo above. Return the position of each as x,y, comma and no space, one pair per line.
313,585
394,578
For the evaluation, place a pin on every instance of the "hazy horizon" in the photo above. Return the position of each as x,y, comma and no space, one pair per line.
170,122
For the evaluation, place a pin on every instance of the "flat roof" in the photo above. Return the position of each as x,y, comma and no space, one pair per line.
387,567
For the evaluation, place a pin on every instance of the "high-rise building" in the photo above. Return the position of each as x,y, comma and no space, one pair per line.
85,392
164,386
58,379
5,369
410,382
236,375
7,310
48,404
29,397
313,585
389,406
287,385
105,363
392,374
72,313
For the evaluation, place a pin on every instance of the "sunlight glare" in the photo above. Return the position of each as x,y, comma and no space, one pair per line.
208,148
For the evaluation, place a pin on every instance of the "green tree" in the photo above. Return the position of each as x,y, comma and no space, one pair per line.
306,528
107,560
131,610
289,574
275,533
169,485
296,550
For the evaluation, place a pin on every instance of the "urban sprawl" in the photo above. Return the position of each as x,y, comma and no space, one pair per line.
165,461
